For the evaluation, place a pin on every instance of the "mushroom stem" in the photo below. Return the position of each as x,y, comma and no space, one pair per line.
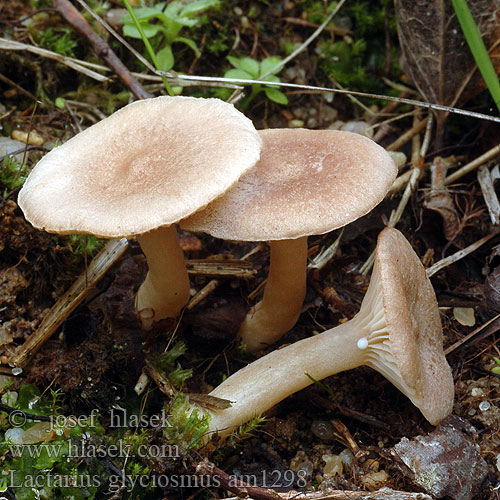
364,340
165,290
259,386
284,294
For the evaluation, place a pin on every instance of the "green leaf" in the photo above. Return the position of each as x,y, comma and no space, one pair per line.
235,61
165,58
150,30
251,66
271,78
477,48
276,95
269,63
199,6
190,43
238,74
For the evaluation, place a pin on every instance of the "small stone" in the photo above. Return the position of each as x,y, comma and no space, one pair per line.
296,123
358,127
323,429
8,146
32,138
464,315
446,462
301,464
9,398
484,405
333,466
373,480
347,458
17,371
312,123
476,392
14,435
398,158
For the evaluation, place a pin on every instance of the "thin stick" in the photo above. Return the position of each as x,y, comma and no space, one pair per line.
203,294
418,155
113,250
473,164
412,102
472,334
490,197
247,491
408,135
81,66
447,261
101,48
320,260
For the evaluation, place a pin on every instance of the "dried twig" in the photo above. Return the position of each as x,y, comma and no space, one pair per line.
113,250
101,48
418,155
486,182
76,64
451,259
491,153
243,490
490,327
235,268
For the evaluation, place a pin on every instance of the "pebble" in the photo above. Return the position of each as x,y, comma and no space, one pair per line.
484,405
322,429
358,127
374,479
14,435
301,464
9,398
296,123
33,138
333,466
347,458
476,391
8,145
398,158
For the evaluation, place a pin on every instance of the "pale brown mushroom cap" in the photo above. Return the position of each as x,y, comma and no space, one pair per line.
148,165
414,325
307,182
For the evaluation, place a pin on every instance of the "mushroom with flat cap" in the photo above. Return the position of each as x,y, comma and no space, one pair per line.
396,332
306,182
138,172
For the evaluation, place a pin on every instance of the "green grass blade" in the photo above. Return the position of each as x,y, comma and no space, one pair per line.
145,40
476,45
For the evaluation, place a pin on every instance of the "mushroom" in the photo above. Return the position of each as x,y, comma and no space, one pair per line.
397,332
306,182
138,172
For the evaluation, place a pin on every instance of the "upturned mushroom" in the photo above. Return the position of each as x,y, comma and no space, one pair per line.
138,172
306,182
397,332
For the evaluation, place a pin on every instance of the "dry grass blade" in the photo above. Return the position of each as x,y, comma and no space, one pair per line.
447,261
76,64
113,250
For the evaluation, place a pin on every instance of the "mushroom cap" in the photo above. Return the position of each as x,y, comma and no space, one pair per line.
414,326
306,182
148,165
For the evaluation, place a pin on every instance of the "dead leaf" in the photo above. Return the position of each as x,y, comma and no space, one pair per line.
445,462
435,55
439,199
